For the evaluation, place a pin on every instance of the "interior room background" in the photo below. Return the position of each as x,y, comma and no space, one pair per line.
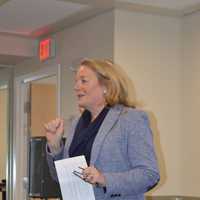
161,56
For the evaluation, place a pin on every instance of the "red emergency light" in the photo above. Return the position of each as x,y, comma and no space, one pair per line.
46,47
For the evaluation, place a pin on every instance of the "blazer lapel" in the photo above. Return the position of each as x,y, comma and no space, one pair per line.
110,120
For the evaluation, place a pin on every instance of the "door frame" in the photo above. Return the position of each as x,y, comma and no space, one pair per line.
20,96
7,77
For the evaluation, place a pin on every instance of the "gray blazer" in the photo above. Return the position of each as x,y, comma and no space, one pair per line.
123,151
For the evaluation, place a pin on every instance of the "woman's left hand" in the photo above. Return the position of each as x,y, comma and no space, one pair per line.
94,176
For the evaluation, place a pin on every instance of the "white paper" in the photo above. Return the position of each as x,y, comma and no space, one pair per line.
73,187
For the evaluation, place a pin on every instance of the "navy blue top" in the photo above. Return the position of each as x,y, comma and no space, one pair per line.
85,134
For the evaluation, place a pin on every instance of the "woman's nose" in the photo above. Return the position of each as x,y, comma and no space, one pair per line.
76,86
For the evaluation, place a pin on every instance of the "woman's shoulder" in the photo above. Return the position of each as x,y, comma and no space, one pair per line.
130,111
132,119
131,115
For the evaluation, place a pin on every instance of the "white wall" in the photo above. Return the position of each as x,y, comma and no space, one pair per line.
149,48
191,106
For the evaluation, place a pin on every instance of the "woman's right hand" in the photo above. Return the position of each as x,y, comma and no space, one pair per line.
54,132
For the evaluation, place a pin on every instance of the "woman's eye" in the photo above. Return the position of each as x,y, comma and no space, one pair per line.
84,81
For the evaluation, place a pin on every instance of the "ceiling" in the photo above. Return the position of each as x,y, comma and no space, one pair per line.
36,18
33,18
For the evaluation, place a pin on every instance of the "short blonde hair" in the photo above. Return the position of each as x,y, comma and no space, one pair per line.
114,79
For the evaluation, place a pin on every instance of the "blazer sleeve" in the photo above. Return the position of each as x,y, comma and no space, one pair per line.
50,160
143,173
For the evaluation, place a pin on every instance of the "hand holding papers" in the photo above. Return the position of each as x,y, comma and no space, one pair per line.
70,179
79,174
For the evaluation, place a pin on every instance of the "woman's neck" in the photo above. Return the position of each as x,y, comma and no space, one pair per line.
96,110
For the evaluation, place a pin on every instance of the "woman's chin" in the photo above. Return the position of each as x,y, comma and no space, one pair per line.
81,104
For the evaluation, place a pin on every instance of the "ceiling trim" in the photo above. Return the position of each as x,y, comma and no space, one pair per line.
148,9
69,21
157,10
97,7
120,4
16,35
95,3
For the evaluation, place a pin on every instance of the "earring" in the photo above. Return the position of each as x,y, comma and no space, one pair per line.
104,92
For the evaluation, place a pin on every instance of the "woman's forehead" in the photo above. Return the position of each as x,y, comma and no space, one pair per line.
85,71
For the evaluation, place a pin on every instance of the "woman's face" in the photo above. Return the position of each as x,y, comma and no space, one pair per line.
88,90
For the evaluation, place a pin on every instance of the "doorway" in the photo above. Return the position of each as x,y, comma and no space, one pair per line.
43,104
37,101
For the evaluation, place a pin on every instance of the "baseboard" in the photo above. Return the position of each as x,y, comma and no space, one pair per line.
172,198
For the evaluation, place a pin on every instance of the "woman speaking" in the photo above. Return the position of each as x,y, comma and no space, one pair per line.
112,134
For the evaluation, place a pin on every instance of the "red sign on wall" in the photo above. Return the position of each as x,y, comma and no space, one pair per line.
45,49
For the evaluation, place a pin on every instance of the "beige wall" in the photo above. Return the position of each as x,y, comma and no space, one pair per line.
190,178
149,48
161,54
